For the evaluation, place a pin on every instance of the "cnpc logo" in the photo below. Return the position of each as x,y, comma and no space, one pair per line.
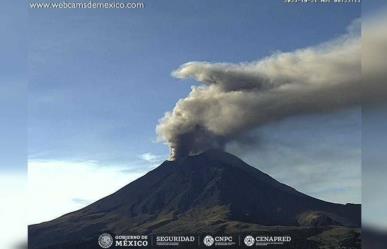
210,240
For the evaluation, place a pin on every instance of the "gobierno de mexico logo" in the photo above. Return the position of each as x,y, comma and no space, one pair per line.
105,240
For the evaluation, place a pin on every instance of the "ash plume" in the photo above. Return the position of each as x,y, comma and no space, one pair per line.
235,98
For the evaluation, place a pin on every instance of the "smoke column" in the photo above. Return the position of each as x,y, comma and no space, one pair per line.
234,98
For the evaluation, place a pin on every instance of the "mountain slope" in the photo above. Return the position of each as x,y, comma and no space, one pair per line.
211,192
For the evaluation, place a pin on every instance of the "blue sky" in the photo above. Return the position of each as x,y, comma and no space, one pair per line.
374,170
100,79
13,125
13,86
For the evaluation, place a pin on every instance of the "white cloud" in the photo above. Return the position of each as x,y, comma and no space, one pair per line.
151,158
13,210
58,187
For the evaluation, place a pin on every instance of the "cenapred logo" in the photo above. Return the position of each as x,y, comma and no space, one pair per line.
249,240
105,240
208,240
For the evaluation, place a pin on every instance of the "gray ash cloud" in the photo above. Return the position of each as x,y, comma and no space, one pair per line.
233,99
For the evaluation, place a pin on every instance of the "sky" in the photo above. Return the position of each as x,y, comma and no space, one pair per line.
99,81
374,170
13,87
13,117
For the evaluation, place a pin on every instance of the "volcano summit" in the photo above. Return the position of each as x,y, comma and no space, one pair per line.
214,192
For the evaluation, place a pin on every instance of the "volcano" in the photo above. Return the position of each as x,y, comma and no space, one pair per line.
214,192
